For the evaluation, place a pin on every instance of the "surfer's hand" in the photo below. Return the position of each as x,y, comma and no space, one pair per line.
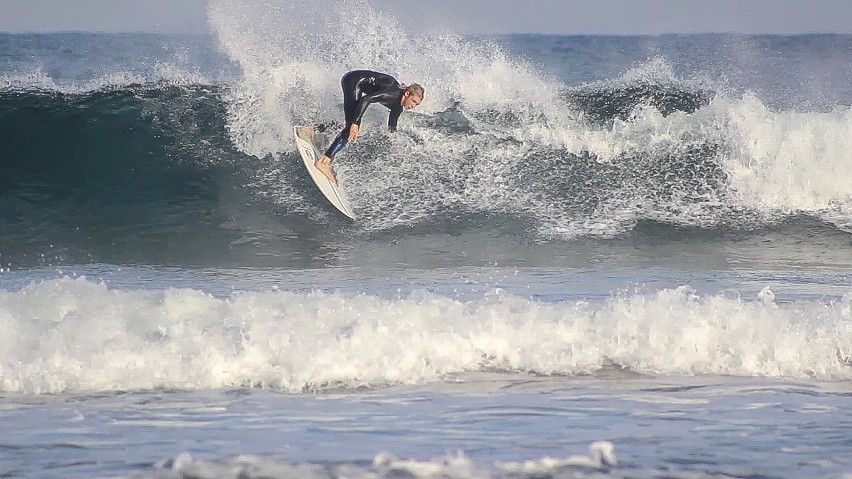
353,132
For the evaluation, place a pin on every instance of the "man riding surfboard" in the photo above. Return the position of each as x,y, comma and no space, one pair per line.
361,88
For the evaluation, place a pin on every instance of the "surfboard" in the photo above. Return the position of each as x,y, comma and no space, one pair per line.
309,153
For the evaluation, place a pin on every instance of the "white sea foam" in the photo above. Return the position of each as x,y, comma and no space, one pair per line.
790,161
458,465
77,335
778,163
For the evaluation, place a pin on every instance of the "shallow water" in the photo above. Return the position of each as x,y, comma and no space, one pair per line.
471,425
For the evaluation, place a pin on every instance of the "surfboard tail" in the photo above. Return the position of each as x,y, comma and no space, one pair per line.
309,153
306,133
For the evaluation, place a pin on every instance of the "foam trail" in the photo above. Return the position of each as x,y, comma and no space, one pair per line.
78,335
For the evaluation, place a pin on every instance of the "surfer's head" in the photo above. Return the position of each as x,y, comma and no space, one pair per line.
412,95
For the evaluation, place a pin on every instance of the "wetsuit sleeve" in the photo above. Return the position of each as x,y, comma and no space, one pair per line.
393,118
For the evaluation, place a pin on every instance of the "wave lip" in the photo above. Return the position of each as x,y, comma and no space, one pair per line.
77,335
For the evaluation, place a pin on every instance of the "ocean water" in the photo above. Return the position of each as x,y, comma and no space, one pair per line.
580,257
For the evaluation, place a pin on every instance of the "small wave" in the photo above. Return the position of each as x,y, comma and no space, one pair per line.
385,465
76,335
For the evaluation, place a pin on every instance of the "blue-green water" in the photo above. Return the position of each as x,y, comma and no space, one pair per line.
638,245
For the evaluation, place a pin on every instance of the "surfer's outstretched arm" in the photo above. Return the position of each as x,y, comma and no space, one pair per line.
393,118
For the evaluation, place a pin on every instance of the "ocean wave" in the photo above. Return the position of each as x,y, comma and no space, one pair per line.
76,335
113,167
142,162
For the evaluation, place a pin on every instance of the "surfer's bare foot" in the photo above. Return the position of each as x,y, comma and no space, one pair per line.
324,165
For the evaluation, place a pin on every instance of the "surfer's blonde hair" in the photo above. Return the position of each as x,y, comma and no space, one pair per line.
415,90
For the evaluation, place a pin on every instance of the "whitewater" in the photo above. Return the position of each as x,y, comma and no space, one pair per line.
581,256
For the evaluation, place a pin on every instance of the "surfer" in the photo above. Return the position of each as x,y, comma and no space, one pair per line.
360,89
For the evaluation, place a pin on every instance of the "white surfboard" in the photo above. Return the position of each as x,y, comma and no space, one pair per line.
309,154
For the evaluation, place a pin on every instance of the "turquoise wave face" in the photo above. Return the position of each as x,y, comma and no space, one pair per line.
111,173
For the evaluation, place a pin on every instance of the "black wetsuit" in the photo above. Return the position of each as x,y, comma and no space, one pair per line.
360,89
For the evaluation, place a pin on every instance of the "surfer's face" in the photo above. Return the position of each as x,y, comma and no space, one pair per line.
409,101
